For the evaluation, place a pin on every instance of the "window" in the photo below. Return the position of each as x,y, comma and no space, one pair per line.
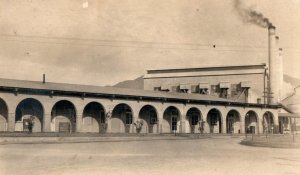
184,88
224,93
204,91
157,89
203,88
128,118
214,89
234,90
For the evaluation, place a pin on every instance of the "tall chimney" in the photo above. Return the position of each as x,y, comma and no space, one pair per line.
44,78
280,74
274,67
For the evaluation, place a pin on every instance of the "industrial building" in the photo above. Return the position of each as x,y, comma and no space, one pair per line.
227,99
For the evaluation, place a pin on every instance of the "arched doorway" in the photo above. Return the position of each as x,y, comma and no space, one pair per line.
171,120
251,124
214,121
233,125
149,115
29,116
63,117
268,123
93,118
194,116
121,119
3,115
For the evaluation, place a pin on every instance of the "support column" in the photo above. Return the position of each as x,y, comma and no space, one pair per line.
78,123
243,126
260,126
223,123
47,122
132,126
11,122
182,124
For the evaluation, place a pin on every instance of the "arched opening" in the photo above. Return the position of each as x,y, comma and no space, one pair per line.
93,118
233,125
268,122
63,117
214,121
3,116
149,115
121,119
251,124
171,119
29,116
194,116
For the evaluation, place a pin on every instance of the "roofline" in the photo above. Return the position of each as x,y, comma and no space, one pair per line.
49,92
263,65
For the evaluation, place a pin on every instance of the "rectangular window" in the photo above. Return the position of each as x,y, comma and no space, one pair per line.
214,89
128,118
204,91
157,89
224,93
234,90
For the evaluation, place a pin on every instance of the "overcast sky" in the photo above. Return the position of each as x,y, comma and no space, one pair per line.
102,42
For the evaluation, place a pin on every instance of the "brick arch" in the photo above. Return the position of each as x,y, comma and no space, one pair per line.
214,119
171,119
194,116
150,118
121,118
251,122
3,115
63,116
94,117
233,122
29,115
268,122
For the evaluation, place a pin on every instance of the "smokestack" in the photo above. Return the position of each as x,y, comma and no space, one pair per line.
44,78
274,67
280,74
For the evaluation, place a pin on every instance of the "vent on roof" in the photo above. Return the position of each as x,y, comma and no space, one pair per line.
44,78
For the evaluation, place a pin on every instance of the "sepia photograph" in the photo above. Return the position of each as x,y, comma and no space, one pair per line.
149,87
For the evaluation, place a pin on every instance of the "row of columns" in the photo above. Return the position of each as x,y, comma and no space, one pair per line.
135,106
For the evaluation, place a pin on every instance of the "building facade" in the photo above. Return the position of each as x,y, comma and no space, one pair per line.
55,107
245,84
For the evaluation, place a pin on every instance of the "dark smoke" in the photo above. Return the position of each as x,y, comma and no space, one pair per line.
249,15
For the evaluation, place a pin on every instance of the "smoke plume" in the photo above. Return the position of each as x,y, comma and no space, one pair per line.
248,15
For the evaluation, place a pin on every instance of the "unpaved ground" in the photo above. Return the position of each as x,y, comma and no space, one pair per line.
176,157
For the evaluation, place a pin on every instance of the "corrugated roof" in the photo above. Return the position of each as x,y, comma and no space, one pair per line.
105,90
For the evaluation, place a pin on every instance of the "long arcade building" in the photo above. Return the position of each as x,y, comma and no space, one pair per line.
55,107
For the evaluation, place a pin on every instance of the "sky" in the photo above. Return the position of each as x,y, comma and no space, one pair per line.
103,42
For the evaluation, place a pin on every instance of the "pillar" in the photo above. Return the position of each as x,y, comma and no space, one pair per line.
223,123
78,123
243,125
260,126
47,122
182,124
11,122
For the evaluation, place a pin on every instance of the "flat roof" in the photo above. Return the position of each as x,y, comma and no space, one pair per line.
215,68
